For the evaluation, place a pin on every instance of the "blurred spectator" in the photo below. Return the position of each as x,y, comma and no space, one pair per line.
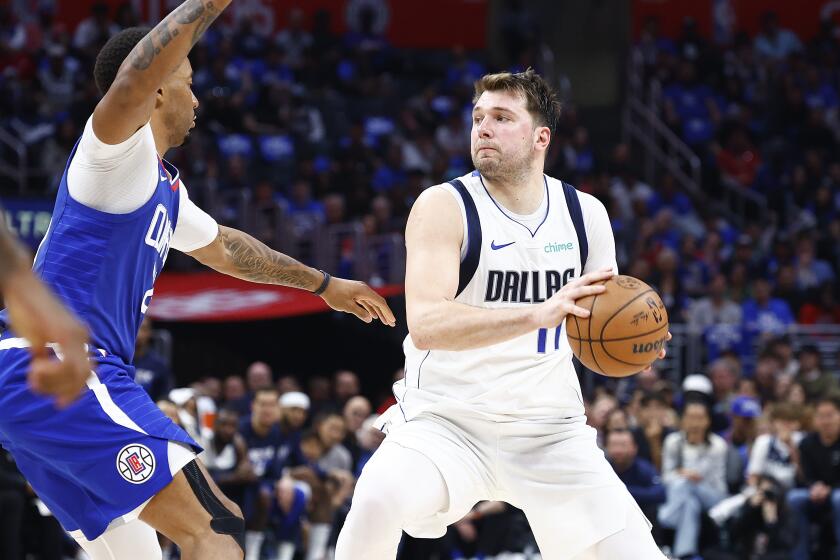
640,477
356,411
258,376
287,514
813,378
745,413
819,462
235,395
346,385
775,455
765,317
694,472
150,369
226,457
96,29
774,42
652,428
294,409
261,433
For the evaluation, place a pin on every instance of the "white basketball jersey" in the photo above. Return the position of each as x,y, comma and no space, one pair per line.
507,263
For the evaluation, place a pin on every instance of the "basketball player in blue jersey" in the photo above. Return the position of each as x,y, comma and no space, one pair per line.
490,407
110,466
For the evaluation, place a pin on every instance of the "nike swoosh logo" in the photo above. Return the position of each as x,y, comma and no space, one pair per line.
497,247
163,177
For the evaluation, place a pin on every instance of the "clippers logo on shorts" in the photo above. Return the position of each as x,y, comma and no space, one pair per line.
136,463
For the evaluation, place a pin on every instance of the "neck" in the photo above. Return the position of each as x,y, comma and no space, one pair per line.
159,134
259,428
520,195
694,439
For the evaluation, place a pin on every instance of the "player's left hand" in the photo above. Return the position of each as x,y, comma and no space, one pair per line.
39,317
662,353
359,299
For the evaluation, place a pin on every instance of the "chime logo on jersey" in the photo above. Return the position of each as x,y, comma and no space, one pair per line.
136,463
525,286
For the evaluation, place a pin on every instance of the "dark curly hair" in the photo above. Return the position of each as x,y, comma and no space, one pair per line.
112,55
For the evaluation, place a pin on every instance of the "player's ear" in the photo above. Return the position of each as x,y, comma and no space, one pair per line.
542,137
159,98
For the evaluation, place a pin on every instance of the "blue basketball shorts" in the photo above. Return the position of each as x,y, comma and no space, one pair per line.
97,460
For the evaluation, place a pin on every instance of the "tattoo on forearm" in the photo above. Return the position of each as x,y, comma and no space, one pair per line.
256,262
196,13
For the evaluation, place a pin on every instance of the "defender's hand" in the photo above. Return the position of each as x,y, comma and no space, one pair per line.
359,299
553,311
39,317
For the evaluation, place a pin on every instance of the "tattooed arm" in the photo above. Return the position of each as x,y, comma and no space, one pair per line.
237,254
129,102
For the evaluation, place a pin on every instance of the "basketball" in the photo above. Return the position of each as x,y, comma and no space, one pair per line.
626,328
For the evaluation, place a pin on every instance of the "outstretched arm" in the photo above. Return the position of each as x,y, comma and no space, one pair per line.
129,102
237,254
37,316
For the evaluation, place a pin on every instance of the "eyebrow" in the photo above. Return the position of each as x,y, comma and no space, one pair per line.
497,108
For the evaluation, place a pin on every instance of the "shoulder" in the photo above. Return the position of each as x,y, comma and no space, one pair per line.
672,439
717,442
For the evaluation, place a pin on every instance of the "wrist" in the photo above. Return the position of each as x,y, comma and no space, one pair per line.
322,286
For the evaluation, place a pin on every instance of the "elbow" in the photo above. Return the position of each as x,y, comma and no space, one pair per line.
421,338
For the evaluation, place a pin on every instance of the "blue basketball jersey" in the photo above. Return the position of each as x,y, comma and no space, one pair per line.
103,266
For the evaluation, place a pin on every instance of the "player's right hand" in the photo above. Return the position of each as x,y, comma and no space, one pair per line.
553,311
37,315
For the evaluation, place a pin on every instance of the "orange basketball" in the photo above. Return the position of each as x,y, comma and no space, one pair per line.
625,331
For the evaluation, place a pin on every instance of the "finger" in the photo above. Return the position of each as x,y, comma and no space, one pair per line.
384,311
572,309
371,309
360,312
582,291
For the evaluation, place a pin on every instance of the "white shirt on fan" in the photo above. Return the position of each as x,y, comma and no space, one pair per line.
120,178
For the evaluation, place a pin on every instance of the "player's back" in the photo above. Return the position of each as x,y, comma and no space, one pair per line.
509,261
103,265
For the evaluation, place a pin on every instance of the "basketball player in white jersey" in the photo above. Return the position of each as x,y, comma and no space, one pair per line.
490,407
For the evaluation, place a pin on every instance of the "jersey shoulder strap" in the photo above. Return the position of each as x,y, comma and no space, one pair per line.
576,213
473,232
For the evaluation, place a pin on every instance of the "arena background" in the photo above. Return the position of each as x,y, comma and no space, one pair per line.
711,140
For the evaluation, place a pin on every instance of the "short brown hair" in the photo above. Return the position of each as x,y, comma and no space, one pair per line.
786,411
540,99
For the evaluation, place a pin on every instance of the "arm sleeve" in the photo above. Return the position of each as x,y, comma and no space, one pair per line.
670,449
195,228
599,234
114,178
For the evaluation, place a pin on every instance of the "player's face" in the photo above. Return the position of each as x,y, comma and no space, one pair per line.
225,426
505,141
179,104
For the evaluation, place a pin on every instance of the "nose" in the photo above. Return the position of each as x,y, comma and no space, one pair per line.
195,102
484,129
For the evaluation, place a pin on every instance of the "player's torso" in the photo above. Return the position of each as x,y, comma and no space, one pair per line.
518,265
104,266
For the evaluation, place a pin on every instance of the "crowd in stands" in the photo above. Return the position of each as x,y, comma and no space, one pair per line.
741,460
